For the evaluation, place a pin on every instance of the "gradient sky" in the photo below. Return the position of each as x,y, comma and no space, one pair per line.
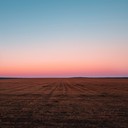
59,38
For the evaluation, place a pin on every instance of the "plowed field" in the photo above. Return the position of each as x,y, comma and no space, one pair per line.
64,103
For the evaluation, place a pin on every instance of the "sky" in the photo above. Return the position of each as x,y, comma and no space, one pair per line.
62,38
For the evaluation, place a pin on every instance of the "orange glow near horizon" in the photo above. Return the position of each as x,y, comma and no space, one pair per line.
62,69
70,59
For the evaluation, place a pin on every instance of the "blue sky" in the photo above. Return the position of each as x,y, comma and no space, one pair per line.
45,31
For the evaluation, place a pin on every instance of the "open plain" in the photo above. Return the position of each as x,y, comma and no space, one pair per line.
64,103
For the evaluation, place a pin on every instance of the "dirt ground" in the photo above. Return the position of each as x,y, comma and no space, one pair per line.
64,103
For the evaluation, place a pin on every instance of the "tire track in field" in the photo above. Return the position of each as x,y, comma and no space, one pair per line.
30,107
22,89
38,89
11,88
62,88
65,87
86,89
55,106
30,98
60,93
47,98
68,88
14,91
76,89
44,88
42,106
37,104
85,86
32,103
29,88
100,88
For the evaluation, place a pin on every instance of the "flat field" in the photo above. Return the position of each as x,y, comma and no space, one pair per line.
64,103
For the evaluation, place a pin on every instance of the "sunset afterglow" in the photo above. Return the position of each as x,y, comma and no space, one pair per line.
54,38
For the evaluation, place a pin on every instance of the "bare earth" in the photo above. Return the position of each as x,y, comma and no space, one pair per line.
64,103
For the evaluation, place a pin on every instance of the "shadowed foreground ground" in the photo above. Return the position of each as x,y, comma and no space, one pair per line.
64,103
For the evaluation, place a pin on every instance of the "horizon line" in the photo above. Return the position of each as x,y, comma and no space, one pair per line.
65,77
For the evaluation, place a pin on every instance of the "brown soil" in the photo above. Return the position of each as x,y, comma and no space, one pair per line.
64,103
